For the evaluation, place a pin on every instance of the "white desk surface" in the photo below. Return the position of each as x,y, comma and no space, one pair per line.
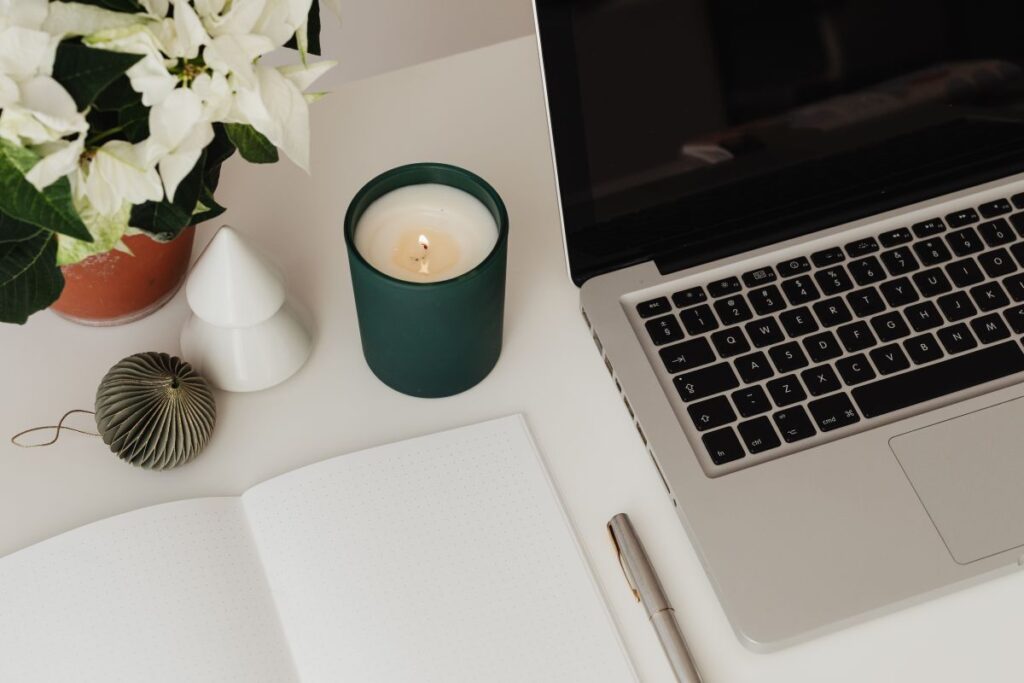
482,110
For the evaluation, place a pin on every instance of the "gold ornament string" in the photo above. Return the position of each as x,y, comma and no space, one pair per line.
58,427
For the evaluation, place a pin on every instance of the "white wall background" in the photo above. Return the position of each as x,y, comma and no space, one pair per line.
374,36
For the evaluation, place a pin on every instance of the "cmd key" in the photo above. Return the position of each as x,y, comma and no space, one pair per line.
705,382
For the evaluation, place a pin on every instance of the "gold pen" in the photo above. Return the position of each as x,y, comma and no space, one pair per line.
647,590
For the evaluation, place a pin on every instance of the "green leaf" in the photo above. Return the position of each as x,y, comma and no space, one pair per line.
13,230
134,122
218,151
117,95
50,209
29,277
115,5
106,231
251,144
164,220
85,72
206,207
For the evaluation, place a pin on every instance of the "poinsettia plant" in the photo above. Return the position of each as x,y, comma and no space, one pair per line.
116,116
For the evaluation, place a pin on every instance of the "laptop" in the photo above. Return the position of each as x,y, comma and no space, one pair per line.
797,229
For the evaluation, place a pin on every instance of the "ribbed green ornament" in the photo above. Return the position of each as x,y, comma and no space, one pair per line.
155,411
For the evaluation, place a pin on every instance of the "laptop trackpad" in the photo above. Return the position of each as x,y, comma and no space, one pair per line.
969,473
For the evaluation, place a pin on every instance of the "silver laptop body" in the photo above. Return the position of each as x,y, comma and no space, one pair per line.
830,462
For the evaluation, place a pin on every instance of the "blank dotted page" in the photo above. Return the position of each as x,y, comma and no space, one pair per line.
169,593
444,558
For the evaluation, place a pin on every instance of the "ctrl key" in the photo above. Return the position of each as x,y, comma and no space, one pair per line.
723,446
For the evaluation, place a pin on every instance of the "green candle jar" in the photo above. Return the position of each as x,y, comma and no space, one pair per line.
427,247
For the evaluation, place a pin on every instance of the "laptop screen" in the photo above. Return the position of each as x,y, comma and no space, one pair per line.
686,130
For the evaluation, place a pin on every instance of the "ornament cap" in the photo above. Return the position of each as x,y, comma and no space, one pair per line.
232,284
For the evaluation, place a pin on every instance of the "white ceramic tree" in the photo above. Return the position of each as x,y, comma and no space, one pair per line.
242,335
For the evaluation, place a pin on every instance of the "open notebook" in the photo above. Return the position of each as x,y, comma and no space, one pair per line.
442,558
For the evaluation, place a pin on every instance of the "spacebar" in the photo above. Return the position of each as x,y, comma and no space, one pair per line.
956,374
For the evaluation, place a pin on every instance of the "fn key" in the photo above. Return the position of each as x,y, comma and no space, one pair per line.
723,446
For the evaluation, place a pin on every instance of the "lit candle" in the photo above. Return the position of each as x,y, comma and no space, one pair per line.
426,233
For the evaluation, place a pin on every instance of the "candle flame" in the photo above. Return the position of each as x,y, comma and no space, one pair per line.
425,260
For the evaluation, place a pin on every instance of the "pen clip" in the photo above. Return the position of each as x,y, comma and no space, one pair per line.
622,565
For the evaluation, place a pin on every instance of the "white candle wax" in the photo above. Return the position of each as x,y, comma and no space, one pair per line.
426,233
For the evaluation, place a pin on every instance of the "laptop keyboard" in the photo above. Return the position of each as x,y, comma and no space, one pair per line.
844,336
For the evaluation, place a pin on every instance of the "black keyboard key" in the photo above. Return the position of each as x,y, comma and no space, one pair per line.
1018,252
856,336
753,367
827,257
822,347
862,247
989,296
923,348
786,391
900,261
990,328
761,276
687,355
965,272
833,412
664,330
855,369
758,435
788,357
923,316
889,359
1018,200
962,217
711,413
866,270
832,312
733,309
653,307
725,286
800,290
689,297
766,300
899,292
951,375
996,233
932,251
865,302
1015,286
956,306
699,319
1015,317
798,322
820,380
698,384
723,446
751,401
997,263
793,266
1017,220
928,228
730,342
956,338
932,282
995,208
764,332
964,242
890,326
833,280
793,424
893,237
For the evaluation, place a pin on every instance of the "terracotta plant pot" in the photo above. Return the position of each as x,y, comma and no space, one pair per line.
117,288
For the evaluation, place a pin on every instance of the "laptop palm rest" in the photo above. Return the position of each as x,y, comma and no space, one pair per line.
969,474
